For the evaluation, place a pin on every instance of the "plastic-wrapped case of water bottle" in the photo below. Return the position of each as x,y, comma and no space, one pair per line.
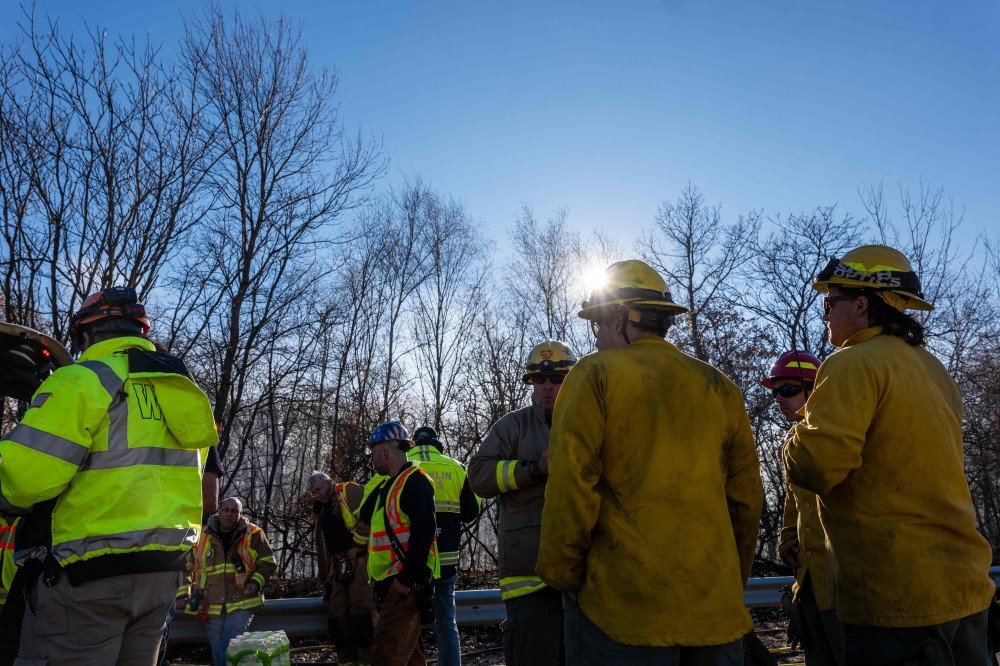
269,648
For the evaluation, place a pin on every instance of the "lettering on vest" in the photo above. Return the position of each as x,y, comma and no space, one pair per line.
149,408
439,477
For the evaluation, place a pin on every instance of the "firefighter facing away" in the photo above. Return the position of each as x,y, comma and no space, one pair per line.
654,494
107,460
512,463
881,444
812,619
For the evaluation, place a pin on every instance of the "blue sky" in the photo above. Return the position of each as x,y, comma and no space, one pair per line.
609,108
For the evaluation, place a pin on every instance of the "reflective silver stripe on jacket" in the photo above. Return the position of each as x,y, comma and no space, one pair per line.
447,506
118,410
146,455
47,443
450,557
127,541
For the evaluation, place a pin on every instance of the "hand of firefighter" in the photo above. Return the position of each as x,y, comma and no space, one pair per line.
543,464
252,588
791,558
180,603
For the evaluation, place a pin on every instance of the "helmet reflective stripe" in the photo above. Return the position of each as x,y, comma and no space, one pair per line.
876,267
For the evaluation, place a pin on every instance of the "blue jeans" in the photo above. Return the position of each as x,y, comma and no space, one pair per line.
225,628
445,627
588,645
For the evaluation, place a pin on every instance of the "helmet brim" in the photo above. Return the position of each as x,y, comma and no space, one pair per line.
593,311
913,302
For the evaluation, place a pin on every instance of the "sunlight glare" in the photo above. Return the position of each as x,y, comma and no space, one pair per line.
593,277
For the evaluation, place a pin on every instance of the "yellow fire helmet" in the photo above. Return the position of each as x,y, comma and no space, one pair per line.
879,268
549,357
634,284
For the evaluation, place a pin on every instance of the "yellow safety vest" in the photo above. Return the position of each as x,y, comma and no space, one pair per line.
382,559
118,438
350,517
448,476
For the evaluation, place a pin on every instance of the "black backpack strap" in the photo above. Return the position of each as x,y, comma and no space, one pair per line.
141,360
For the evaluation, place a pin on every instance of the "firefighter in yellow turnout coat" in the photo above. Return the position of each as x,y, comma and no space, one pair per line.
654,493
881,445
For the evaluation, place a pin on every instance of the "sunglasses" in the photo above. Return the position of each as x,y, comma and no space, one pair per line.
541,379
828,302
787,391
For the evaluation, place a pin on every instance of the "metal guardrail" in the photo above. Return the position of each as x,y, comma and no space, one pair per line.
307,617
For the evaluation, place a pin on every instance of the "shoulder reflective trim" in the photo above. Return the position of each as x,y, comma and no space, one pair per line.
448,558
505,475
447,506
110,380
126,541
47,443
519,586
145,455
118,409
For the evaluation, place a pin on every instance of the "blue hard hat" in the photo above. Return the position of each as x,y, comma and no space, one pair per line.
387,432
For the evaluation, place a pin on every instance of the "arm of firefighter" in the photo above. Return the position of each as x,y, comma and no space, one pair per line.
43,452
744,490
572,502
319,544
185,589
417,501
826,446
789,523
468,503
495,468
264,565
363,527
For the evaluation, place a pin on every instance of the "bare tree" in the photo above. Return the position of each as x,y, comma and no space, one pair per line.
699,254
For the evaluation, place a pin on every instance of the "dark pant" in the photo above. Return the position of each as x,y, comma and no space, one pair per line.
533,630
11,617
822,633
397,635
956,643
587,645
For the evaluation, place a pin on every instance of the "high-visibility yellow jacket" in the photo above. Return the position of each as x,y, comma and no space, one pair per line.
114,444
454,500
362,529
881,444
654,497
8,527
221,577
802,527
500,468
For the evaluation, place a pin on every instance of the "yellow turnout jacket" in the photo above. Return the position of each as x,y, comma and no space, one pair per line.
881,444
654,497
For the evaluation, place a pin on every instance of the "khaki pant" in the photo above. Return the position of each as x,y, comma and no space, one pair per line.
397,635
351,622
115,620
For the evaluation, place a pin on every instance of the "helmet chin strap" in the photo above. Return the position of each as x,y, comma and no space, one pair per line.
624,310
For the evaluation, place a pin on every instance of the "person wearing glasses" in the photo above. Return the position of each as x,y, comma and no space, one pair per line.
654,496
802,547
881,444
513,464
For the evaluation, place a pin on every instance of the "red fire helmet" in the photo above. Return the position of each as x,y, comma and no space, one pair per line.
794,364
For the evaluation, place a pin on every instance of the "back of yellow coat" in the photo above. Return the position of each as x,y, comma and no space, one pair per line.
654,497
882,445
